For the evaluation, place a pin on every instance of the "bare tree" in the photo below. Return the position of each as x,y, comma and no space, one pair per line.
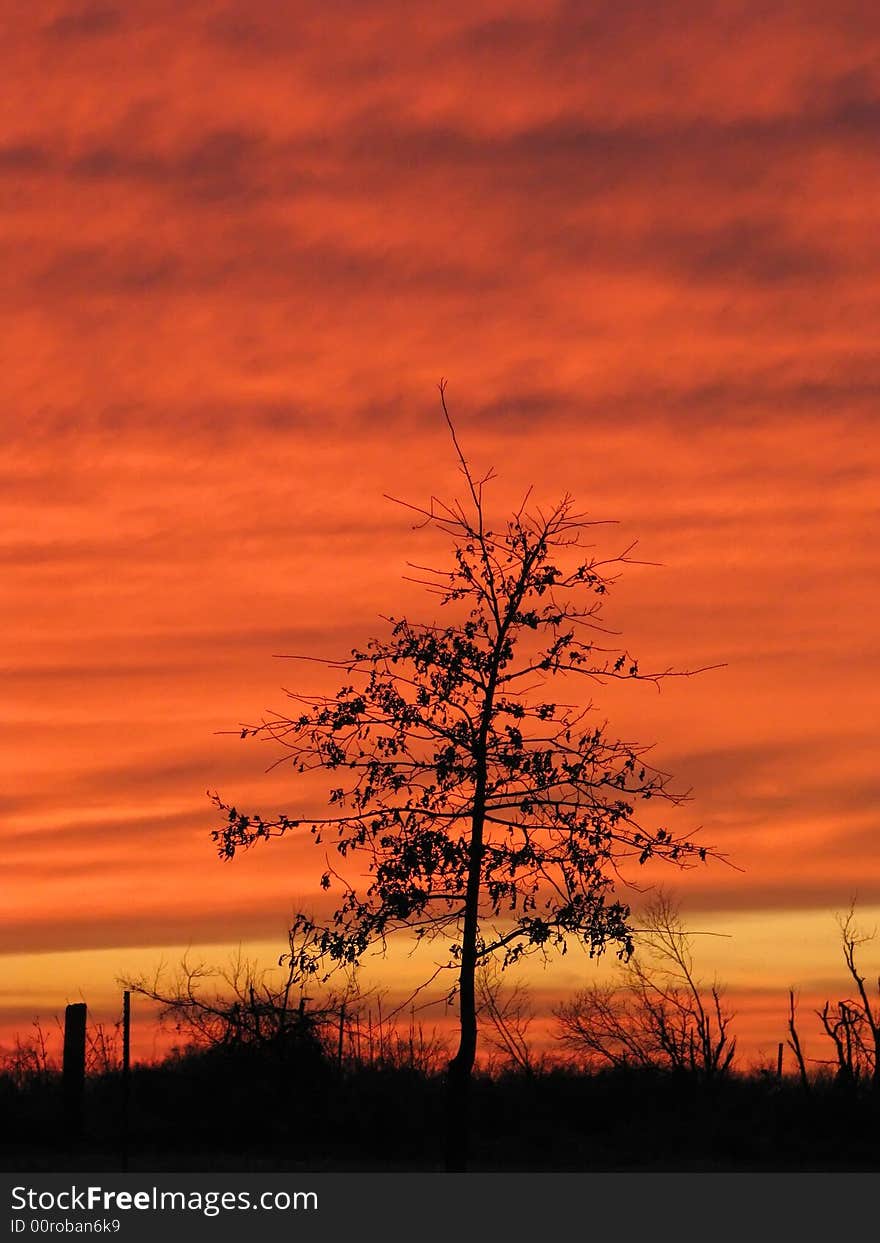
508,1014
659,1014
853,1024
490,814
794,1042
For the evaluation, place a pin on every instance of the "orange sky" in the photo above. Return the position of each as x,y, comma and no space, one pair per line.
241,245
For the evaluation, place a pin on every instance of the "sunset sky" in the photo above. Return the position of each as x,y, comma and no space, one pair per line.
243,242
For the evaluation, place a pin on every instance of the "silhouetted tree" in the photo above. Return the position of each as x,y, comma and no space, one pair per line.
853,1024
794,1041
508,1015
660,1014
489,813
241,1007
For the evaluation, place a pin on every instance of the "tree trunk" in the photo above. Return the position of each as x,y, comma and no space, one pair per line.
459,1073
458,1080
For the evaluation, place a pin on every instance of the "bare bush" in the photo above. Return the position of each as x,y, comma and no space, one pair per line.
659,1014
238,1006
30,1060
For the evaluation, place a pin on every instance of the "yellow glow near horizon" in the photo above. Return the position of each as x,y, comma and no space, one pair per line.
749,952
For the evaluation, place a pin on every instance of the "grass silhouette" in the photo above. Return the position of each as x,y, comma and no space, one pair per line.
244,1108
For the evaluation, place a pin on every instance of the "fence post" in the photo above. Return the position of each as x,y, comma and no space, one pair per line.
73,1073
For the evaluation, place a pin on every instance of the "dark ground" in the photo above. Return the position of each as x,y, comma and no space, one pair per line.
246,1111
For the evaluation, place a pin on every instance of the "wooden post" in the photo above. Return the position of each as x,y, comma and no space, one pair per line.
73,1074
779,1061
126,1075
